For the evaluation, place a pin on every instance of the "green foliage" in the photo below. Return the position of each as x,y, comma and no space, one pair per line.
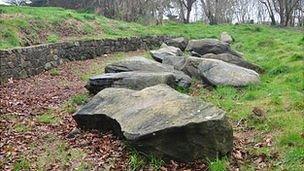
218,165
2,11
24,24
136,162
21,127
88,29
182,89
296,57
291,139
8,37
155,162
22,164
225,97
53,38
58,152
47,118
70,106
54,72
282,69
294,158
89,16
266,43
79,99
301,42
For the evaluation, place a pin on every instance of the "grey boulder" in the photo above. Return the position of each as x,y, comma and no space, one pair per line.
146,65
179,42
176,61
132,80
204,46
217,72
158,55
233,59
226,38
160,121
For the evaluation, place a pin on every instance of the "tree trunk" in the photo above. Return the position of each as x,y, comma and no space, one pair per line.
188,15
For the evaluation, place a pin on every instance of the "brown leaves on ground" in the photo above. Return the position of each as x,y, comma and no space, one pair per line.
21,101
38,93
248,148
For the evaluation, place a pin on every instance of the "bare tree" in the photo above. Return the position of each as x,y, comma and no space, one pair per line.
285,8
242,10
186,4
218,11
290,12
270,9
18,2
299,14
261,13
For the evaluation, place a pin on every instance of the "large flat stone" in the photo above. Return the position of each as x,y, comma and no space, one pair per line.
160,54
217,72
161,121
204,46
147,65
179,42
176,61
233,59
132,80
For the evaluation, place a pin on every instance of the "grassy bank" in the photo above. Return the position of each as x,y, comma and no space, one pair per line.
24,26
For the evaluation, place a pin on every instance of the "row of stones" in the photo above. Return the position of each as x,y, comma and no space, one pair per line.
136,100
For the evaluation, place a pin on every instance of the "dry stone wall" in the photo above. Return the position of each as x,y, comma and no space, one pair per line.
29,61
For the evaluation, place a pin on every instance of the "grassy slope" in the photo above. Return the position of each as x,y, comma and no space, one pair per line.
27,26
279,51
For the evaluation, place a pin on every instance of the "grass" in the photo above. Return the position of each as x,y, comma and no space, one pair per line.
139,162
20,127
54,72
182,89
52,38
23,26
70,106
79,99
48,117
21,164
155,162
98,68
295,156
57,152
136,161
218,165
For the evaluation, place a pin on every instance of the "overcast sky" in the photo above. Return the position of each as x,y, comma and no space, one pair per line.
1,2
